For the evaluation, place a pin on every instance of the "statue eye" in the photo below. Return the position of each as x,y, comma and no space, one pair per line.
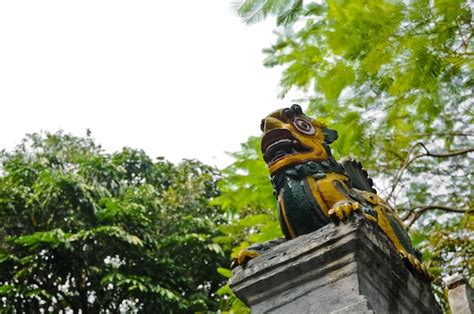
304,126
262,125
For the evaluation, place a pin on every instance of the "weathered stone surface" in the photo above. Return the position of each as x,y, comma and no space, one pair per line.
350,268
460,295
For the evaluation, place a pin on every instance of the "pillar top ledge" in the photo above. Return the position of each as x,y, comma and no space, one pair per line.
351,267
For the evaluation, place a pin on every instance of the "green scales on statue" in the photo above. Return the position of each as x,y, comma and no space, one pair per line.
313,189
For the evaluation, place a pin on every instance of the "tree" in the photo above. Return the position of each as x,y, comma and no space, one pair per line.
94,232
395,79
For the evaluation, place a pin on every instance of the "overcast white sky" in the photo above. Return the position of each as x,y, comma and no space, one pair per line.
179,79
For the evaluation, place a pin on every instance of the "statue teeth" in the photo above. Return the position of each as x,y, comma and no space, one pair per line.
284,140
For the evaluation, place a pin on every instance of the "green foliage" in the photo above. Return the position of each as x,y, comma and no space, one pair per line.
253,11
395,79
246,181
84,230
247,195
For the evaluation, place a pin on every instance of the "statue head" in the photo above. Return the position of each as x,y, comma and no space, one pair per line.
290,137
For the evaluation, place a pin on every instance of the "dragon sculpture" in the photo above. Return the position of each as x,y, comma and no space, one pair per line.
313,189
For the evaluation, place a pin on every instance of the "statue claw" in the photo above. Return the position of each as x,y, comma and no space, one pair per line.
242,257
342,210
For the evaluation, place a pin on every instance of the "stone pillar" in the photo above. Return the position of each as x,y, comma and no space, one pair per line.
460,295
350,268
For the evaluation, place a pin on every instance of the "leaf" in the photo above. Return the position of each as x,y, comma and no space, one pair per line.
6,289
215,248
3,258
381,54
224,290
224,272
252,11
133,239
335,80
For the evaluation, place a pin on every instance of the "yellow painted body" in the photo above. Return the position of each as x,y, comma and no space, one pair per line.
382,208
325,192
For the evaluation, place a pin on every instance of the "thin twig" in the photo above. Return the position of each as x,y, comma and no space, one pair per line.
401,170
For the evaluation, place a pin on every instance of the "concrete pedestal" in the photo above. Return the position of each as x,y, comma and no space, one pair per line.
350,268
460,295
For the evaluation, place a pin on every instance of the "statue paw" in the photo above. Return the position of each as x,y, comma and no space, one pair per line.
242,257
342,210
417,266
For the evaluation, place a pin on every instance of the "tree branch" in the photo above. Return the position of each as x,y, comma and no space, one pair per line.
448,134
427,153
416,212
443,155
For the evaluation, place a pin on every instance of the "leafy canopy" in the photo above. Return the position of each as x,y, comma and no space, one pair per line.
95,232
